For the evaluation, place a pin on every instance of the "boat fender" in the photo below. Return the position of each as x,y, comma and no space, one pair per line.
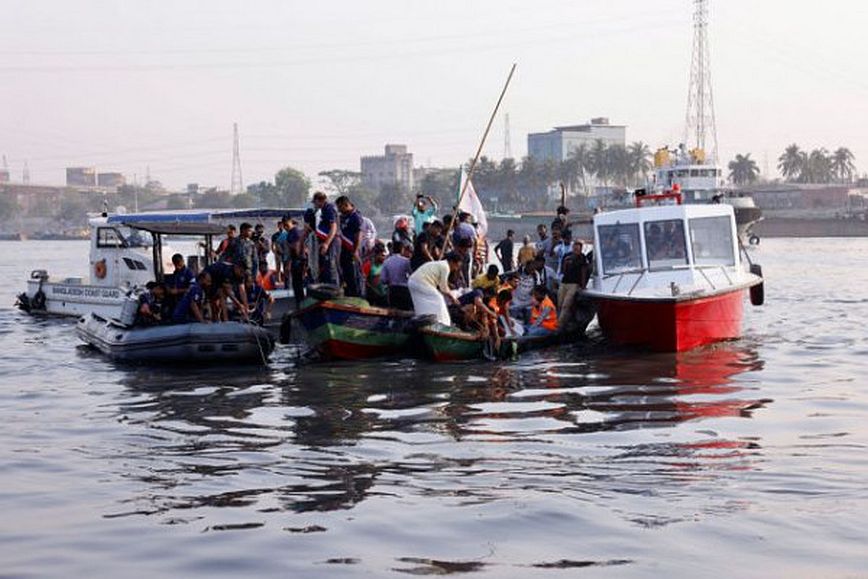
754,240
38,301
99,269
757,292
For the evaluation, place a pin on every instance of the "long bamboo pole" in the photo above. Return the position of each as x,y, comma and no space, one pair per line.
473,163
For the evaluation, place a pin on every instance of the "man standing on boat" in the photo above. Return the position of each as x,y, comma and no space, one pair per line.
326,231
575,273
246,252
429,287
424,211
351,244
395,274
291,251
504,249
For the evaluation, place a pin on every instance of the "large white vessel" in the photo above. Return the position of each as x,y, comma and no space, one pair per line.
127,251
701,181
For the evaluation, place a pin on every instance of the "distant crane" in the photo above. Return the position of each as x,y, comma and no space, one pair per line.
700,128
237,184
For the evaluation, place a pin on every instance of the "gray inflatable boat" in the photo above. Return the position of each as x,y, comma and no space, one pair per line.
178,343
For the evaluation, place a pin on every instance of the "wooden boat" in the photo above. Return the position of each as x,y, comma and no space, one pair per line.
451,344
352,329
670,277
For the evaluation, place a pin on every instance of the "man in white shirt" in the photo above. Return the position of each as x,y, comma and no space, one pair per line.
429,288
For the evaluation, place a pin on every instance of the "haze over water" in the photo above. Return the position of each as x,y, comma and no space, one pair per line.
744,459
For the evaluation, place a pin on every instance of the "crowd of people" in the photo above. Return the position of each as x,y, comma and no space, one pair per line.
433,266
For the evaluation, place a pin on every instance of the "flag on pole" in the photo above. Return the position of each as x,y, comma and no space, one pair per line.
471,204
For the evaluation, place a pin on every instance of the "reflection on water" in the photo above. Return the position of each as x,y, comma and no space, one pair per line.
572,460
326,437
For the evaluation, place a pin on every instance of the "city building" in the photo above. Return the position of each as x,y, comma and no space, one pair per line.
395,167
110,180
80,177
4,175
557,143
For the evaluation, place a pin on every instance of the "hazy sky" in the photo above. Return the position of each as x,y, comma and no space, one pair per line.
315,84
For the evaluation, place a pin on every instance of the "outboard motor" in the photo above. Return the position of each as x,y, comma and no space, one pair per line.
129,308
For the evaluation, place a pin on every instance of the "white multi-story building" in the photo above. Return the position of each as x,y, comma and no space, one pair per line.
557,143
393,168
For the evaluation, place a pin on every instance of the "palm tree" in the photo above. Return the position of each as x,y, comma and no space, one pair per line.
791,163
599,162
639,158
579,161
743,170
818,167
842,164
619,163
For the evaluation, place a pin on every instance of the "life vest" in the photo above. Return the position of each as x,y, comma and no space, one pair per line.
550,322
267,279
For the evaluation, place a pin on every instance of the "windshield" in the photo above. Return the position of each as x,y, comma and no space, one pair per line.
137,237
711,238
619,247
665,244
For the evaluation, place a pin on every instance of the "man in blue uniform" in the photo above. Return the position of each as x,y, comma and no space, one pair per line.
326,233
351,241
191,307
226,275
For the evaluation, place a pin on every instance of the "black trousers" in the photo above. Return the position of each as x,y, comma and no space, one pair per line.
399,298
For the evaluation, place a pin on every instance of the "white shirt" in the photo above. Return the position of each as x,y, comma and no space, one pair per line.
434,274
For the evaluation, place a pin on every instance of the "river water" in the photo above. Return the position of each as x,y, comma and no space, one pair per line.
748,458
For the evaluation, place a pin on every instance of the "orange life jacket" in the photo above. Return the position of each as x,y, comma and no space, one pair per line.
550,322
267,279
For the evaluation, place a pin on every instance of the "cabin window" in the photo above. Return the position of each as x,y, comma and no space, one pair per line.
108,237
619,247
665,244
711,239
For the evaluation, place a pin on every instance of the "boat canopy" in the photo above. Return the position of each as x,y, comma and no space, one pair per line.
174,228
200,216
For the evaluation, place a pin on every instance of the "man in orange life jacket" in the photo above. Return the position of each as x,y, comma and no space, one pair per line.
543,314
326,231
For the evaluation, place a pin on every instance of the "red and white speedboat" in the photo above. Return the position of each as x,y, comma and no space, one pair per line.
670,276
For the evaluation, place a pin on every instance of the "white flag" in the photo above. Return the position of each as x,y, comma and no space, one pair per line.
470,203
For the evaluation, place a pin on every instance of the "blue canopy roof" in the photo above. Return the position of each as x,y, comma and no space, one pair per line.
202,216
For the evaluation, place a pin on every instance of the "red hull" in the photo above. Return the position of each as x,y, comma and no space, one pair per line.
669,325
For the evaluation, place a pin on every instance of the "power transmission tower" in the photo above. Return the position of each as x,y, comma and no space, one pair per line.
237,184
700,129
507,143
25,175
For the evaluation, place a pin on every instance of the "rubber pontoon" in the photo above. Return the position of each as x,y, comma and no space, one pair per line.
179,343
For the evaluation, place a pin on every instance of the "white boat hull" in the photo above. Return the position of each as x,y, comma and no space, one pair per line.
179,343
74,299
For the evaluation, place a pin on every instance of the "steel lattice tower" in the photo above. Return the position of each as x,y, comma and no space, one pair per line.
25,175
700,129
237,184
507,143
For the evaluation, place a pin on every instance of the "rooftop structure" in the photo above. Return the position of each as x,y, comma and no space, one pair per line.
395,167
557,143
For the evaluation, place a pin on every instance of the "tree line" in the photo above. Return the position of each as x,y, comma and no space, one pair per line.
800,166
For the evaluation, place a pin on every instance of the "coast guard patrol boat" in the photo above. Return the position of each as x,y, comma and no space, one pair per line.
127,251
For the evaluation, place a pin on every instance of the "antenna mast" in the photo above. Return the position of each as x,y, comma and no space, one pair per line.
25,175
700,129
507,143
237,184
